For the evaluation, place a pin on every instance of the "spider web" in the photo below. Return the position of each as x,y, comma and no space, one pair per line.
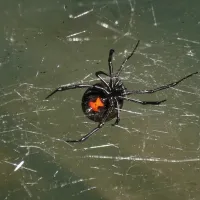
154,151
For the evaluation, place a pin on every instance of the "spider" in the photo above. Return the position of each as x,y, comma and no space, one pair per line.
102,101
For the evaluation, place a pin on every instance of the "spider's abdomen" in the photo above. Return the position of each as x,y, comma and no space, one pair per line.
96,102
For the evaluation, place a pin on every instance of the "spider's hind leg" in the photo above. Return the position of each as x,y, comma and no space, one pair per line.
118,113
143,102
116,121
98,75
74,86
85,137
101,124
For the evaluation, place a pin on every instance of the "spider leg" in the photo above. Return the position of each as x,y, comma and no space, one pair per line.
118,113
110,61
159,88
74,86
111,66
102,73
101,124
85,137
126,59
143,102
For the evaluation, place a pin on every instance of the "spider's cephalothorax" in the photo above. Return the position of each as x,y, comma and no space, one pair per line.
102,101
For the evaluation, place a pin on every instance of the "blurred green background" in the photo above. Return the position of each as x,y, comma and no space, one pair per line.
154,152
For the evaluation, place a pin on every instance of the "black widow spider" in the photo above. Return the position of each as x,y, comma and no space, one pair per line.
102,101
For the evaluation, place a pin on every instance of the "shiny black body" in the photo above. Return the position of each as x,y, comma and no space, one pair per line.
112,92
110,101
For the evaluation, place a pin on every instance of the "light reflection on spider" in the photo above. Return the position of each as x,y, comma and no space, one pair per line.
102,101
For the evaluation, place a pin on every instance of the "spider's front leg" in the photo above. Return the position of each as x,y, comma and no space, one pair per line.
126,59
159,88
111,52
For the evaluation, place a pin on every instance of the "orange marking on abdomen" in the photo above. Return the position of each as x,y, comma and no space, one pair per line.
96,104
